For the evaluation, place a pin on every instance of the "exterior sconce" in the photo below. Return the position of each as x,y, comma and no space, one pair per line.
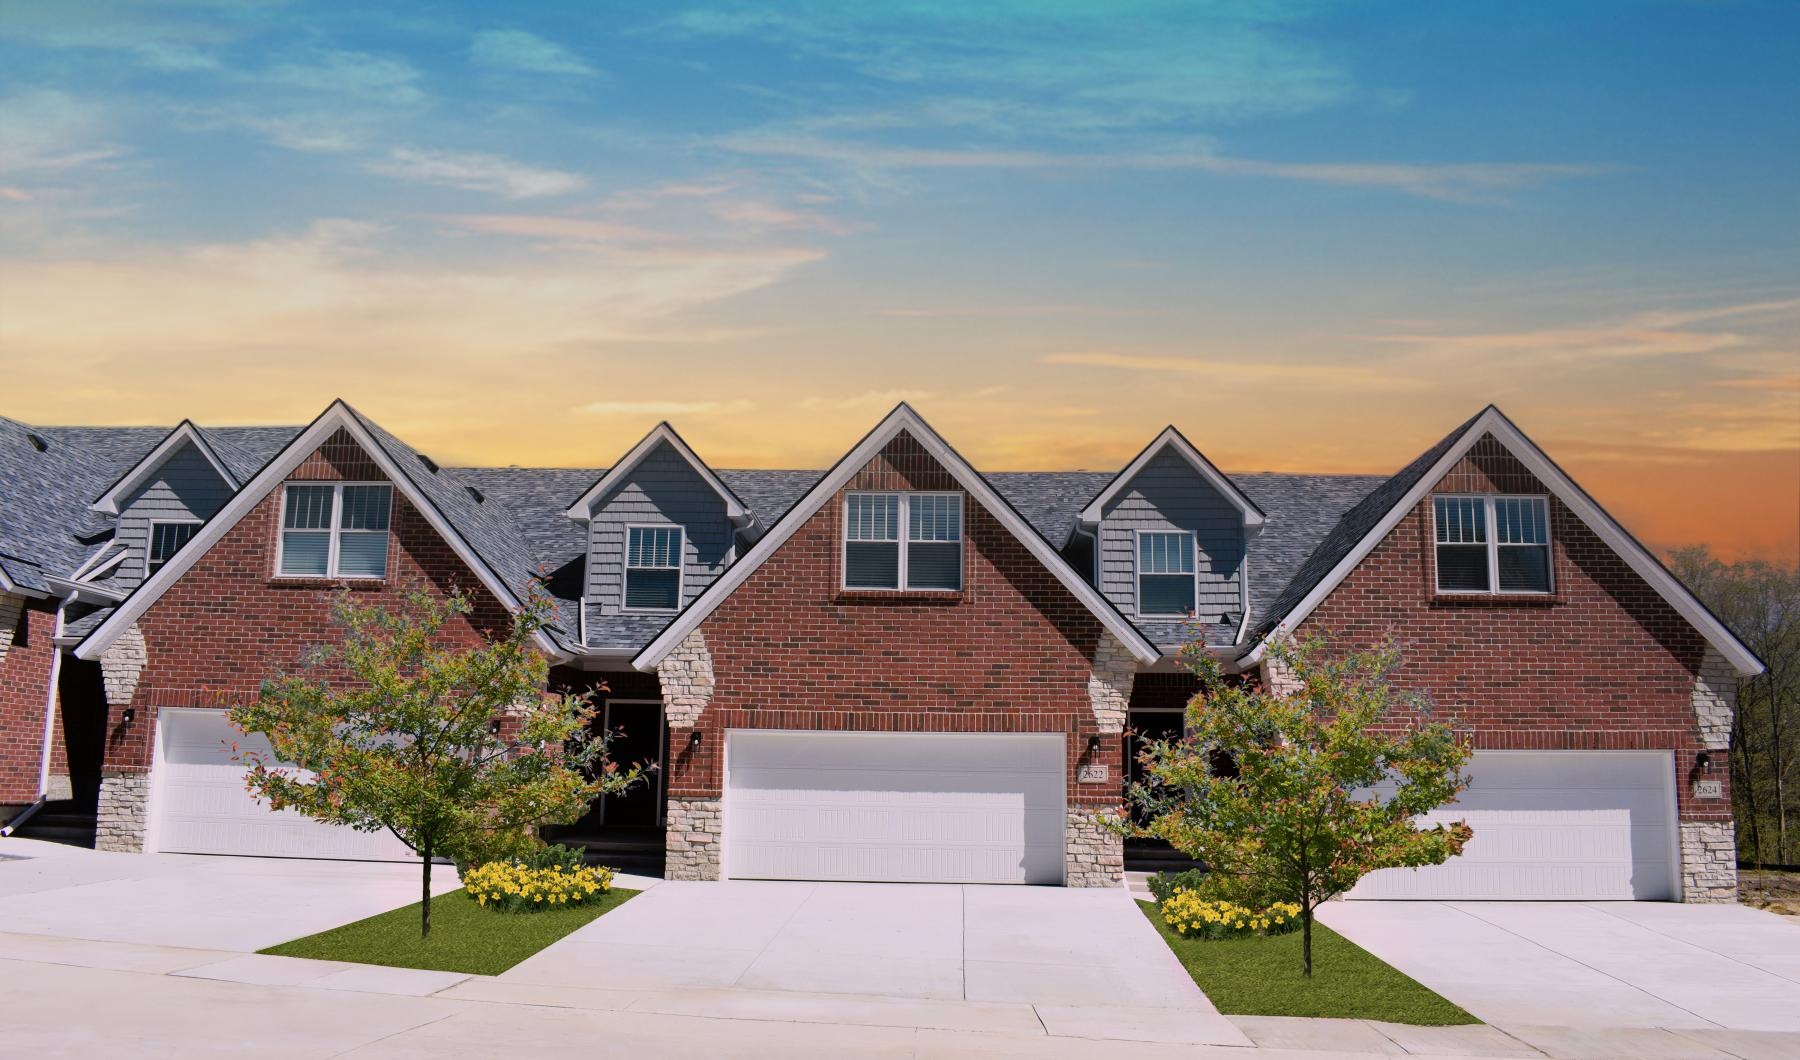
694,739
126,718
1704,761
1093,745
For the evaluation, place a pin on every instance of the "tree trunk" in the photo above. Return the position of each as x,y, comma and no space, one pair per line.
1306,938
425,891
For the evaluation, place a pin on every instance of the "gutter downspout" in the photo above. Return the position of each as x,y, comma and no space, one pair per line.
50,697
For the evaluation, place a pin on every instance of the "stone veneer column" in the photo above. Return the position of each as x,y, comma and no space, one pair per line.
1709,848
12,608
1109,684
694,833
123,816
1093,854
124,813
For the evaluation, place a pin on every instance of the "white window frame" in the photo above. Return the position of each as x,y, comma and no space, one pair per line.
150,564
335,532
1138,572
625,569
1494,545
903,528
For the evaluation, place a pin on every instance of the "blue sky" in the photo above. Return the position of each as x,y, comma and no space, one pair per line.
1314,235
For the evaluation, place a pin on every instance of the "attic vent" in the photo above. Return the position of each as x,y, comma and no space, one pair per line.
37,441
430,464
475,493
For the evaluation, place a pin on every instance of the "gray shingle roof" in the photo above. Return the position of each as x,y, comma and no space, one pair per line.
514,518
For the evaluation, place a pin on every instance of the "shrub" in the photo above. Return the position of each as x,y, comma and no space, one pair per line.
521,888
1163,885
1193,917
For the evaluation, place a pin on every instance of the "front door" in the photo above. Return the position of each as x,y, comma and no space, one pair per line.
635,737
1148,726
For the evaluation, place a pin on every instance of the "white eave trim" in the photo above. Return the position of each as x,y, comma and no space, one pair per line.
1172,438
337,416
140,472
735,510
903,418
1493,421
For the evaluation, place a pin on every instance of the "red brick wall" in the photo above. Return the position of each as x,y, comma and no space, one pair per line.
24,686
228,623
1604,663
1011,652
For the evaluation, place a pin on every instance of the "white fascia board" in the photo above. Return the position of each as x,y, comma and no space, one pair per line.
102,561
1493,421
903,418
582,509
1172,438
337,416
140,472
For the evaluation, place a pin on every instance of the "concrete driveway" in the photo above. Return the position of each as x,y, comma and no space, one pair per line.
219,903
1593,964
1032,945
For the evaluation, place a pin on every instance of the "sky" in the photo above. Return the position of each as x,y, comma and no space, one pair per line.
1315,236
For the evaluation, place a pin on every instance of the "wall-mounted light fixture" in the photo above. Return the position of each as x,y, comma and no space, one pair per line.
694,739
1704,761
1093,745
125,718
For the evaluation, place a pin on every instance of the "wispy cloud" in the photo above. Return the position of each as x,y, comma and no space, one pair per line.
45,131
1324,375
881,400
515,49
377,78
472,171
659,408
1652,333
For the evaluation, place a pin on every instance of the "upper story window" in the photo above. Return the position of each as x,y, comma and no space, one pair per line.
166,539
653,557
1492,544
1166,574
903,540
335,530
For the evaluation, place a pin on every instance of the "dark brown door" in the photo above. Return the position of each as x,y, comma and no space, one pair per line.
635,732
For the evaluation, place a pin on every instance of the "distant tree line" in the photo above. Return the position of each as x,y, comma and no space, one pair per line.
1760,601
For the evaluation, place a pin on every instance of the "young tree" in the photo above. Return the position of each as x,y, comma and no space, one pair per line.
453,749
1298,791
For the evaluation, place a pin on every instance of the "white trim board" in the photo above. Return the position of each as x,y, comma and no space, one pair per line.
1493,421
337,416
1170,438
583,508
140,472
902,419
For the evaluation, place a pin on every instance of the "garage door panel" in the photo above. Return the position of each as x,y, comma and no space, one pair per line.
1552,826
202,807
895,807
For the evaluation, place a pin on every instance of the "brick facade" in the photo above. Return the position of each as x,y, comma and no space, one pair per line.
1014,651
26,654
1602,663
229,622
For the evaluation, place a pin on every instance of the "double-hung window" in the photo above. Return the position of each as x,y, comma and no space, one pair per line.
1165,573
166,539
335,530
653,568
903,540
1492,544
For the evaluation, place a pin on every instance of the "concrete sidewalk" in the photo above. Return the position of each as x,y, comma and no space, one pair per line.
176,1002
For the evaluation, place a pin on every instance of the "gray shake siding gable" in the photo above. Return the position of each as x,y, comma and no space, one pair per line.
662,490
1168,494
186,488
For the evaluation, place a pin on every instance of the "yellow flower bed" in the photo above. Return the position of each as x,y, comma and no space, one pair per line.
519,888
1191,916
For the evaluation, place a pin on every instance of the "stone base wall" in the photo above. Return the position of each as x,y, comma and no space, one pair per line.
695,831
1708,862
1093,854
124,813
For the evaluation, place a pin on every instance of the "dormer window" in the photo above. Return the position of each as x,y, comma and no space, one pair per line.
653,557
166,539
1166,576
334,530
910,540
1492,544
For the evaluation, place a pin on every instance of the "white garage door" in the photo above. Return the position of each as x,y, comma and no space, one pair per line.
916,808
201,806
1554,825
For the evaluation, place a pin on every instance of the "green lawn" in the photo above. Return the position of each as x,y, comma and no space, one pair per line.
464,936
1261,977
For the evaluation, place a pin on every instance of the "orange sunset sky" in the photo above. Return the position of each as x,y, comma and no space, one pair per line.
1312,240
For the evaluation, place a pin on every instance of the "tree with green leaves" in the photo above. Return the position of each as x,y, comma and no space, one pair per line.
1297,791
455,749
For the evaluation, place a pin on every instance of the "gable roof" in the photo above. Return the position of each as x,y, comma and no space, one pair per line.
902,420
47,477
1174,440
185,433
662,434
403,467
1364,527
